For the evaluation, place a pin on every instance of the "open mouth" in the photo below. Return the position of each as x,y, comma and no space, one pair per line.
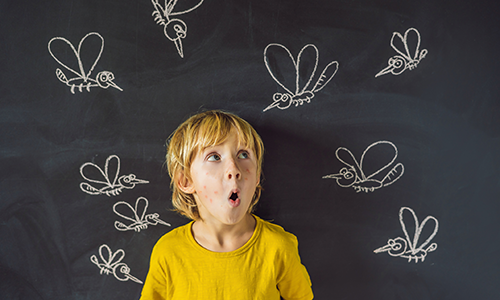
234,200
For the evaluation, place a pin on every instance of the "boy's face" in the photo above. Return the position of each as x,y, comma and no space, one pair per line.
224,178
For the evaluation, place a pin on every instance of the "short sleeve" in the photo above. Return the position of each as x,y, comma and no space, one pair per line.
295,283
155,285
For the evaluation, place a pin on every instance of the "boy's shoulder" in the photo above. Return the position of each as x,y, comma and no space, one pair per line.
276,233
175,237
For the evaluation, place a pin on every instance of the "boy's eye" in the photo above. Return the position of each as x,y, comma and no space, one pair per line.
213,157
243,155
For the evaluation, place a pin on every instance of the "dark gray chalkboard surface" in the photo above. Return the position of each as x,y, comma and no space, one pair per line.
394,141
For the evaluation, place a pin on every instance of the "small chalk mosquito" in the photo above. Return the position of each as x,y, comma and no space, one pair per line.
137,215
353,174
108,181
111,264
277,63
405,60
83,79
408,247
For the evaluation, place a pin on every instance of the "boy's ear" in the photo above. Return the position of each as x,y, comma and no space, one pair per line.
184,184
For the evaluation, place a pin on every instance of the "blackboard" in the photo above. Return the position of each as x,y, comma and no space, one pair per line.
427,130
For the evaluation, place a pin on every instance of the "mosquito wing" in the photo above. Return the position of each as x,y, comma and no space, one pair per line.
110,258
281,66
407,225
93,173
306,65
402,44
327,75
141,205
377,157
126,211
170,4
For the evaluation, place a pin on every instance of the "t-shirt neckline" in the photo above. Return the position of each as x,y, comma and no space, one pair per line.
239,251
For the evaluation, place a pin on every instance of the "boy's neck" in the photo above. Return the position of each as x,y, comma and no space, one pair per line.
218,237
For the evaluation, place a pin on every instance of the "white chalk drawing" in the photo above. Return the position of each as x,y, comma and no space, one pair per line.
137,215
103,79
174,29
108,182
111,264
405,60
407,247
297,95
354,176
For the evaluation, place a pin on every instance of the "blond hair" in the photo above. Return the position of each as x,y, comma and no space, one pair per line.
206,129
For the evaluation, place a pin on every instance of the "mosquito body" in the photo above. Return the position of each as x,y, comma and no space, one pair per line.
104,79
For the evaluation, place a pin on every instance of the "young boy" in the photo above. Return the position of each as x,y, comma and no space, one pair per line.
215,160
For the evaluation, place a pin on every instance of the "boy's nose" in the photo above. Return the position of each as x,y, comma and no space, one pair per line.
233,171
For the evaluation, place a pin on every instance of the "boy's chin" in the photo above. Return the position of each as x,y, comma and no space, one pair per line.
235,218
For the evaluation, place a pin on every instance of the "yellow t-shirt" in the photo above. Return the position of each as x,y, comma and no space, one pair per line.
266,267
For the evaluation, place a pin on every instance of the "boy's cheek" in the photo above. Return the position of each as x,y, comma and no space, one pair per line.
208,169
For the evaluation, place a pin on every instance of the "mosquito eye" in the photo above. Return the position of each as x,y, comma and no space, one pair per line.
285,97
396,62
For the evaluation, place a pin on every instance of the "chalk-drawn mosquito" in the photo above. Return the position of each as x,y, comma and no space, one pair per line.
354,176
399,63
111,264
407,247
136,215
174,29
297,95
103,79
110,186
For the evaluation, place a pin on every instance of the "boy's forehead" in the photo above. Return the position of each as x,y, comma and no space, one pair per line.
217,141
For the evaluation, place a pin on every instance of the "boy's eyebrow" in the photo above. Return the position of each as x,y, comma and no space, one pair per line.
240,145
